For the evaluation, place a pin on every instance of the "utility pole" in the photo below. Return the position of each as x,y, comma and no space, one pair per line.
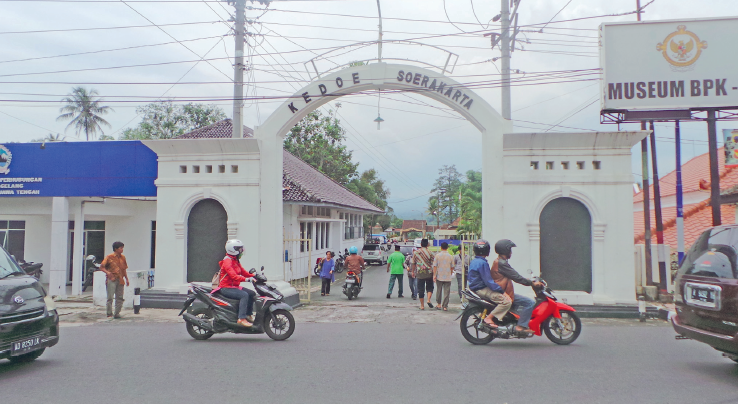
238,69
679,199
505,49
714,172
657,209
646,191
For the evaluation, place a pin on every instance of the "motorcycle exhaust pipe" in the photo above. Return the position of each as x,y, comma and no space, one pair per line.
197,321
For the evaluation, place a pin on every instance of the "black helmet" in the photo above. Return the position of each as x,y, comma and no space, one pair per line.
481,248
504,247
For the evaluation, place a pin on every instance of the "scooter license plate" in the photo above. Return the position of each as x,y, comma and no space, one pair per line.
350,281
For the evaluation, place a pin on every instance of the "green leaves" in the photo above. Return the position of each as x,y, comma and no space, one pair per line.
165,120
84,111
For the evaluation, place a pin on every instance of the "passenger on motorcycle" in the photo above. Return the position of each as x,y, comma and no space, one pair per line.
502,273
354,263
231,276
481,283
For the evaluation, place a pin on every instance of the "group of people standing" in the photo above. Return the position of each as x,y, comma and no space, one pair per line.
427,271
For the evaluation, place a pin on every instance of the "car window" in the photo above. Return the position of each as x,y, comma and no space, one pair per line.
713,254
7,265
371,247
406,250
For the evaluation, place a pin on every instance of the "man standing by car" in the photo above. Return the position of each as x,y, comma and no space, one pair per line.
114,266
395,264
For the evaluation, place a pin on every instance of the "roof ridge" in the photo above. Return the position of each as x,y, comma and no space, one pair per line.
672,222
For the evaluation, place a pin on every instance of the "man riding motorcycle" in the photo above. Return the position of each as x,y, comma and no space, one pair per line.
502,274
354,263
481,283
231,276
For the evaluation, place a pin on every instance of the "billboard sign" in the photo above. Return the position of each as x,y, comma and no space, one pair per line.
106,169
731,147
662,65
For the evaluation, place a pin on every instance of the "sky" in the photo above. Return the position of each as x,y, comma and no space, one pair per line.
154,50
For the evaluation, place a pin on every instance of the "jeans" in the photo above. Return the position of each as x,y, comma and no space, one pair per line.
413,283
245,295
444,289
459,284
523,306
398,277
325,287
114,289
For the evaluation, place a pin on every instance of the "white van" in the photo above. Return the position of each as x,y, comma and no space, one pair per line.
417,241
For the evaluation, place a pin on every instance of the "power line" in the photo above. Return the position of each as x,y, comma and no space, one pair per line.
107,28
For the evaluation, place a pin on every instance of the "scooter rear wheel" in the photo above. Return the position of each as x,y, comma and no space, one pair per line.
280,325
469,322
565,330
196,332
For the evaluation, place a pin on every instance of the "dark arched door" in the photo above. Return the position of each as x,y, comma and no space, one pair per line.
566,245
207,233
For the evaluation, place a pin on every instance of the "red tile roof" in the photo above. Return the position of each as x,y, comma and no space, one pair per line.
695,171
413,224
697,218
219,129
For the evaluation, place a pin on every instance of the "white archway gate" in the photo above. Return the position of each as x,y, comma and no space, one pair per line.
377,76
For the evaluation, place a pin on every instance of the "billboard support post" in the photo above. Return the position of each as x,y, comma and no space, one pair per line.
714,174
646,207
657,209
679,199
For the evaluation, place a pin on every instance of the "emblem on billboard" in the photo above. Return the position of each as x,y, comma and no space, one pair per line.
681,48
5,158
731,147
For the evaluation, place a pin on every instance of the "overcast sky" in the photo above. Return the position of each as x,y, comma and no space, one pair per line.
418,135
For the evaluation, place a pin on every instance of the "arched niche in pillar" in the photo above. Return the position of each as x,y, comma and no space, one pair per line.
207,233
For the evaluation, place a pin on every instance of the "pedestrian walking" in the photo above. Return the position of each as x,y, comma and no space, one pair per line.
443,267
114,266
422,266
460,268
411,279
326,273
396,268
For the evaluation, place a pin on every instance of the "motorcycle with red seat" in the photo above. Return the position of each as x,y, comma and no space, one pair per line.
557,320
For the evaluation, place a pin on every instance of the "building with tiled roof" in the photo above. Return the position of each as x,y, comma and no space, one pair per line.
696,197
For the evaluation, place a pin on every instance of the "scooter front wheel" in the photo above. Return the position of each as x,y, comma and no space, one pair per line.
564,330
469,327
279,325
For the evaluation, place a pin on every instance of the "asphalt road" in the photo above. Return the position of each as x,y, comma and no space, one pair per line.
618,362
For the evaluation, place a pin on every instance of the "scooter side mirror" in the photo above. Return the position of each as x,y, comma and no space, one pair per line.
262,268
252,271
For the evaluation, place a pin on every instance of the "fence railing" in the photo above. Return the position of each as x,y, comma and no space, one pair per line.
297,268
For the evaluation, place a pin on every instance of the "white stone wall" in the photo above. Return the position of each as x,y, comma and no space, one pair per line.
607,194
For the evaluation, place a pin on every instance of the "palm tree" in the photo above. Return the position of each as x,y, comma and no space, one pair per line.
83,109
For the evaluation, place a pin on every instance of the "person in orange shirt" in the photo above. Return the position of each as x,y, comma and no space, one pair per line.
114,266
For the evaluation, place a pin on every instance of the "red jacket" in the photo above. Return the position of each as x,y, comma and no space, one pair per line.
232,273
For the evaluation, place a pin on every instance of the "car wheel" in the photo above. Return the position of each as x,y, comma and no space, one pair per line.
29,357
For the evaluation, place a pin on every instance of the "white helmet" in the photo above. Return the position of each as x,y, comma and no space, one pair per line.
234,247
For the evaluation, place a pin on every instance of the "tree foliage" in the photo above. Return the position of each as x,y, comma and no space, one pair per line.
471,204
318,140
84,111
370,187
165,120
49,138
449,180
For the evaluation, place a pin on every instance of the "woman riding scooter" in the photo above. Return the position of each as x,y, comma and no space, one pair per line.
231,276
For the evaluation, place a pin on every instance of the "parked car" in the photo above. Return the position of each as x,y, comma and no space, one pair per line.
374,253
416,242
706,291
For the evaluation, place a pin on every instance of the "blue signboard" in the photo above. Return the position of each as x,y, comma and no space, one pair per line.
105,169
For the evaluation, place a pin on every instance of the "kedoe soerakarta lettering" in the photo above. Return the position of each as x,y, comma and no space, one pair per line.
667,89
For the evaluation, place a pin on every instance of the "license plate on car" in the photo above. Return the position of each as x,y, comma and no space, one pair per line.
24,346
350,281
702,295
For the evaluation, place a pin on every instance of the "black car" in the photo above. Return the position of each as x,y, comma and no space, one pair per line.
706,292
29,322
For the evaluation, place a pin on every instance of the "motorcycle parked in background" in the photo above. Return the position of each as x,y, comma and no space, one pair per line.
351,285
220,314
32,268
340,260
558,320
90,267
